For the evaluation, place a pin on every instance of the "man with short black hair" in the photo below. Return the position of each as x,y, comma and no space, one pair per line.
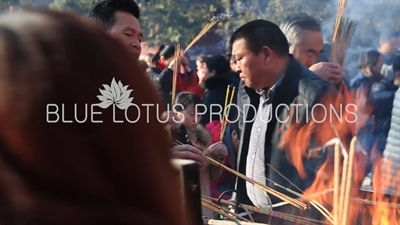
272,77
304,35
121,18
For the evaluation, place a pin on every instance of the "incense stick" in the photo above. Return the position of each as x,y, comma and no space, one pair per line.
314,203
205,29
270,212
343,32
175,72
220,210
221,132
348,181
227,108
292,201
342,39
336,185
343,184
283,197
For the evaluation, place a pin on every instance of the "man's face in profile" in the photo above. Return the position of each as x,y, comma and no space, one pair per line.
127,30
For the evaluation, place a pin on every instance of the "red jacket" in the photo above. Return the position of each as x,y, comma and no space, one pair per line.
184,82
195,87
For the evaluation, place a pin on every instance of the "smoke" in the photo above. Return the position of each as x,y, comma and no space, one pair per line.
374,17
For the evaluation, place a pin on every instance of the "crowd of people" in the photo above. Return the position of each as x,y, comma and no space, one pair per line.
114,173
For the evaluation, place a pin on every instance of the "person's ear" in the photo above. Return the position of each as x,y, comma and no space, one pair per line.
266,53
163,59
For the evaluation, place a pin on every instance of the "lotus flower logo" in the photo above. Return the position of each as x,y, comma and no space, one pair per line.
115,94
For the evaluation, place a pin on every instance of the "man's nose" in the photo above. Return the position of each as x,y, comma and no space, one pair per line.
136,44
312,60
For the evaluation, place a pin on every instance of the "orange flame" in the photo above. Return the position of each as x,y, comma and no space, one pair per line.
341,117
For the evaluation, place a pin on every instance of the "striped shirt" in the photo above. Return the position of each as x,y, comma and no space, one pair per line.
255,164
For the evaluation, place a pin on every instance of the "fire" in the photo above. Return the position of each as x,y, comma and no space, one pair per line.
347,115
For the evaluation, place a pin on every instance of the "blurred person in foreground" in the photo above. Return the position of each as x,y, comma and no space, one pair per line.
77,173
121,19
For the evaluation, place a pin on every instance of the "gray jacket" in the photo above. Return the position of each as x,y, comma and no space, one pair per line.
391,154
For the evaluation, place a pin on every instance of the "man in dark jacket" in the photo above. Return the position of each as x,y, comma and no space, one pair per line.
271,77
382,95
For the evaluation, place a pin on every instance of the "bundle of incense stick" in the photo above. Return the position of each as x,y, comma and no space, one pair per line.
175,72
285,216
222,211
343,33
279,195
283,197
342,190
342,40
339,15
205,29
227,107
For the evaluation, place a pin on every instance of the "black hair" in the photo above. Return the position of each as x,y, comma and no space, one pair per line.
388,35
167,51
369,59
104,12
219,64
235,127
260,33
185,99
396,64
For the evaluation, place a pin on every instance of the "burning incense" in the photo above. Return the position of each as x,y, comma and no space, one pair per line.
175,72
205,29
292,201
